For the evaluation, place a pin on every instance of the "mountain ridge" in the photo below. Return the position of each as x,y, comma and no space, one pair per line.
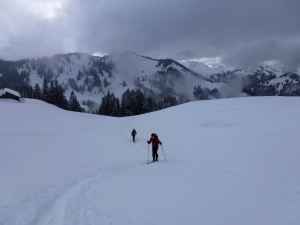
91,77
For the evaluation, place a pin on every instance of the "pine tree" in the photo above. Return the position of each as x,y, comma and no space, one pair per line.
138,102
148,106
116,108
159,105
111,104
101,107
28,91
125,104
169,102
51,93
107,104
45,92
74,103
37,92
59,96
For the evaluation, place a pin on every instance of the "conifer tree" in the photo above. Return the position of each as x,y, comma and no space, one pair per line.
74,103
116,108
29,91
169,102
148,106
106,104
101,107
51,93
59,96
125,104
45,92
37,92
159,105
139,101
110,105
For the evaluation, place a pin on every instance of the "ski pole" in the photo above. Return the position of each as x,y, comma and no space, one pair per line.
148,152
163,152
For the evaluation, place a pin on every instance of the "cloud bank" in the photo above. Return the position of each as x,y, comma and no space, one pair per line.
240,32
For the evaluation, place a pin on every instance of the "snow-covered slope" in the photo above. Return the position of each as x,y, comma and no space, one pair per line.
199,67
229,161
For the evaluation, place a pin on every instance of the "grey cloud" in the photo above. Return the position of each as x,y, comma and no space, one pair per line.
242,32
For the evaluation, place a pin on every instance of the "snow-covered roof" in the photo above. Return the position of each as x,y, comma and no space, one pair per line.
4,90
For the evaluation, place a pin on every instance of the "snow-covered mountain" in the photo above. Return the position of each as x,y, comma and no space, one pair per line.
91,77
262,80
199,68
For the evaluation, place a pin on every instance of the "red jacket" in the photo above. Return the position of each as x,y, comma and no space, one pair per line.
155,141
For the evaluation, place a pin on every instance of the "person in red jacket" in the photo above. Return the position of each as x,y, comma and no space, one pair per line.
155,142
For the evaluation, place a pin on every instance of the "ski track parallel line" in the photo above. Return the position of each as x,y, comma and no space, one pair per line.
53,213
128,134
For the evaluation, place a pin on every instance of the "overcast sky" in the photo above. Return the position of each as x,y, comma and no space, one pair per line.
239,32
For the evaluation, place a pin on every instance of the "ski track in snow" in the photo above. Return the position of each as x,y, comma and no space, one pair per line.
53,210
129,135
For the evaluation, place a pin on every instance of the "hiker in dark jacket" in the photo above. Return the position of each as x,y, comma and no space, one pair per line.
133,133
155,142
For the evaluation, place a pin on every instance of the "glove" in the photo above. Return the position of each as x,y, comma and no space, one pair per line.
148,142
160,143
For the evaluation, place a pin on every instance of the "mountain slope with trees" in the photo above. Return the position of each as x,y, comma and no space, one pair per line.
134,84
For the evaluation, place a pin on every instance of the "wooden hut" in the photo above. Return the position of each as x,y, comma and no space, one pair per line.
8,93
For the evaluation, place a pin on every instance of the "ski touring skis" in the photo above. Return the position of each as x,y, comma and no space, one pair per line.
148,162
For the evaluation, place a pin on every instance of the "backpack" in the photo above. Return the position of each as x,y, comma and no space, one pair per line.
155,139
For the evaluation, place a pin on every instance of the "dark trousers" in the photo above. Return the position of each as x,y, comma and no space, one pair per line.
154,152
133,138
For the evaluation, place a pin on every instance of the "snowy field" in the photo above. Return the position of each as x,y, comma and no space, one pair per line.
228,162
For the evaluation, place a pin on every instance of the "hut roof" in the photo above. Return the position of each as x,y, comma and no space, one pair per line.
4,90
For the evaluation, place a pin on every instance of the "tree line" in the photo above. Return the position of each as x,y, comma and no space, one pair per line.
133,102
51,92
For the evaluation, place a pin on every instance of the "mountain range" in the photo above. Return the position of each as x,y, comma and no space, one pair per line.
92,77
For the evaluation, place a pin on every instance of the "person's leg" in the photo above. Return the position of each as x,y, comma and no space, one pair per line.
133,138
155,153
